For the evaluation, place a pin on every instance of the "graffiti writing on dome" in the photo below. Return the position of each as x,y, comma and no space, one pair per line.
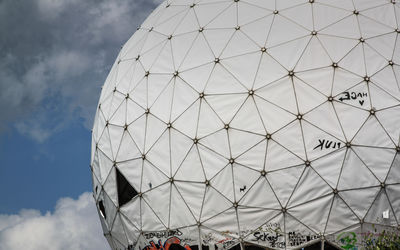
296,239
274,236
359,96
162,234
218,242
225,243
348,240
275,239
327,144
167,244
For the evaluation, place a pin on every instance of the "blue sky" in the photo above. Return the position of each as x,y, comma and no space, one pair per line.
54,58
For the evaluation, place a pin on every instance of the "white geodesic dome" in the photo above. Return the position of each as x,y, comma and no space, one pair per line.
267,122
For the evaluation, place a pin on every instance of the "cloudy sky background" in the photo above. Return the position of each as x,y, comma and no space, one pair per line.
54,58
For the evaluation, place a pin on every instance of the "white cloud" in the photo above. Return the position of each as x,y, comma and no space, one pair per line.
52,8
33,130
74,225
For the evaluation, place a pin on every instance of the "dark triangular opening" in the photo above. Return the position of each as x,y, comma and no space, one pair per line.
102,209
125,191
